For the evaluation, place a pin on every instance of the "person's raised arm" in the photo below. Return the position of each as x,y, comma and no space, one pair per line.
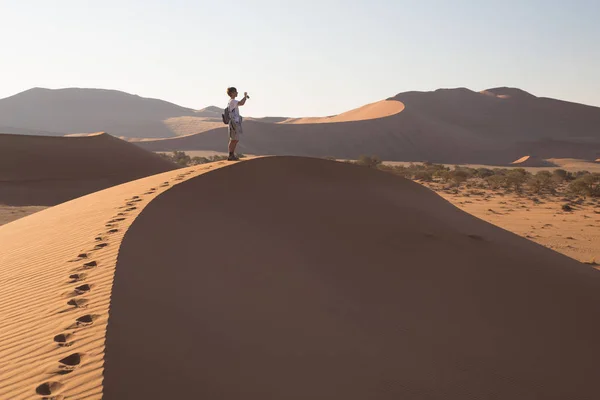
243,101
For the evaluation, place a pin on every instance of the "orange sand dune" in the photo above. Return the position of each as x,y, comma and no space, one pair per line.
187,125
47,170
349,284
380,109
532,161
453,126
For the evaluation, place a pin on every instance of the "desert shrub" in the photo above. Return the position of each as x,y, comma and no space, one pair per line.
566,207
484,172
442,174
369,161
515,178
560,175
586,185
178,157
402,171
579,174
423,175
458,176
541,181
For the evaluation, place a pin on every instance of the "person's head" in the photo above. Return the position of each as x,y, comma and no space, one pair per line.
232,92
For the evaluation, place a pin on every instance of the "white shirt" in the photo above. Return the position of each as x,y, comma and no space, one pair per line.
234,111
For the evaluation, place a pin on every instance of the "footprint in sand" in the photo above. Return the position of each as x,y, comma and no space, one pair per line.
78,303
165,184
112,221
81,289
63,339
80,257
113,231
100,246
77,277
83,321
69,363
90,265
131,209
132,203
85,267
51,388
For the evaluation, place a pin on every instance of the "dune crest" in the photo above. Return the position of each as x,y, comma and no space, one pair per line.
380,109
450,126
532,161
350,284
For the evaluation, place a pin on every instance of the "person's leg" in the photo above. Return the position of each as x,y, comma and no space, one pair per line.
232,145
235,132
233,140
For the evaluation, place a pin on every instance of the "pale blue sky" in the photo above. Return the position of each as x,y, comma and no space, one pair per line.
301,58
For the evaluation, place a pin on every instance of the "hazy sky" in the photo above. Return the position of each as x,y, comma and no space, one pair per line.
301,58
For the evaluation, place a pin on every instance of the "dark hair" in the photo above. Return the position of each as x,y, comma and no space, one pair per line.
230,90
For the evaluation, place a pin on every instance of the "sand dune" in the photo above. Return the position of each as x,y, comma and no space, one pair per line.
38,170
56,273
189,125
380,109
532,161
350,284
454,126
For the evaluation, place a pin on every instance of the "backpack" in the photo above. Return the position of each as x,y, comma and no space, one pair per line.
225,116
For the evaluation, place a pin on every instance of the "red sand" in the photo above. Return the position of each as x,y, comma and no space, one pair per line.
47,170
298,279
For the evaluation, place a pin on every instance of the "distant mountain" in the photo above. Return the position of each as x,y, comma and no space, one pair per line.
498,125
65,111
495,126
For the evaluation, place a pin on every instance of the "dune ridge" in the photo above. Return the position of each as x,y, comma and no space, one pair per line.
351,283
380,109
532,161
348,284
56,274
454,126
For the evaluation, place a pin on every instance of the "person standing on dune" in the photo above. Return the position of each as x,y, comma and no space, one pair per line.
235,121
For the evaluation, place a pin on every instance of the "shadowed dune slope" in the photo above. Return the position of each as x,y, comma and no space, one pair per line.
38,170
447,126
292,278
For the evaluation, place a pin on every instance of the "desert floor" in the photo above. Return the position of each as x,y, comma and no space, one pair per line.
12,213
538,218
